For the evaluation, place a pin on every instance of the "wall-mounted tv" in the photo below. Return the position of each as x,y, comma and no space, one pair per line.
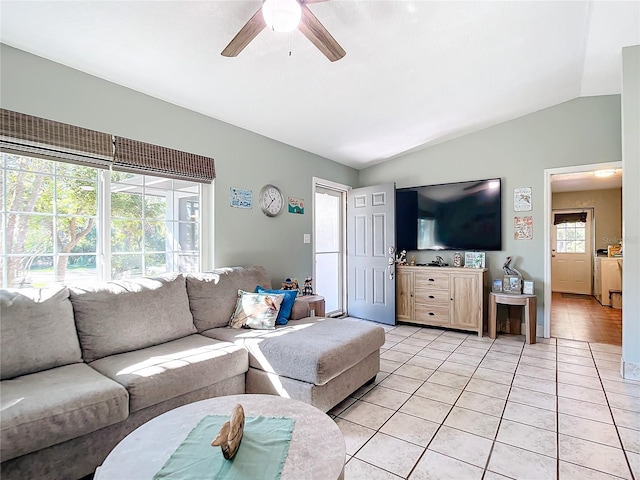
451,216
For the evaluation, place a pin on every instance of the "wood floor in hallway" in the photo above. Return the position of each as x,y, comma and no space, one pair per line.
581,317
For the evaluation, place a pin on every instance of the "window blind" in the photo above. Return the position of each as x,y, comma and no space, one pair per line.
140,157
28,135
560,218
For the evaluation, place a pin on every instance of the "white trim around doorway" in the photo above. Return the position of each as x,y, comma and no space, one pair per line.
547,228
339,187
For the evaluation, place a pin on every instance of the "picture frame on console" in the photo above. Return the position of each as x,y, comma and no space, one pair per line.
474,259
497,286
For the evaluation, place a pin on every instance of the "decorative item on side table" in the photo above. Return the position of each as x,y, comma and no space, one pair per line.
457,259
307,288
497,286
474,259
527,287
512,281
290,284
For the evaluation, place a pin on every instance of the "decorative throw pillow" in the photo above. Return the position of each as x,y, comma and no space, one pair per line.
287,303
256,310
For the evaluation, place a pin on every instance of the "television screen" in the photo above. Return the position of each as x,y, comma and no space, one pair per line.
452,216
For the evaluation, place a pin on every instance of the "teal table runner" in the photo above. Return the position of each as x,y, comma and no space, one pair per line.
261,456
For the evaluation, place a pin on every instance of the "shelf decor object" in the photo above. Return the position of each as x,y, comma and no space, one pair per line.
527,287
474,259
512,281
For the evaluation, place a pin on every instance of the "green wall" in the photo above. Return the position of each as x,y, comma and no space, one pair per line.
581,131
33,85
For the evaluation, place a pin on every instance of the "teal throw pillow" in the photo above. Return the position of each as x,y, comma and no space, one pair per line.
287,303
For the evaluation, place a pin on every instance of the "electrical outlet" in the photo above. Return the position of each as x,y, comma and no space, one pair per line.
307,238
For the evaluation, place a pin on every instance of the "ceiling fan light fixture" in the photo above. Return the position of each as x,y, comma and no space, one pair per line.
282,15
604,173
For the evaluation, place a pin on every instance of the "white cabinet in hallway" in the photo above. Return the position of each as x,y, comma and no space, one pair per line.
607,275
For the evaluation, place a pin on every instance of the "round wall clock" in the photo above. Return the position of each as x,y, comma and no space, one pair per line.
271,200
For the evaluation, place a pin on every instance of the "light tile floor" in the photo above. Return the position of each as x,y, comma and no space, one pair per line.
450,405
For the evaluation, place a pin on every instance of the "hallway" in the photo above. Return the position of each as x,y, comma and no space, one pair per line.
581,317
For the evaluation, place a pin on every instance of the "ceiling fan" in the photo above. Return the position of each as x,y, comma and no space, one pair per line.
285,16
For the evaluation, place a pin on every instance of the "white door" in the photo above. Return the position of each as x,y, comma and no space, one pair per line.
371,291
329,207
571,254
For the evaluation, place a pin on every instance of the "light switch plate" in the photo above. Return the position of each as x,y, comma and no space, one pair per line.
307,238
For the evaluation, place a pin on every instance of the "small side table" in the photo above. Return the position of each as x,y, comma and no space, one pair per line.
530,312
316,304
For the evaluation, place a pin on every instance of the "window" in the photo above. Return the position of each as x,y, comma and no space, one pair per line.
571,237
53,231
154,225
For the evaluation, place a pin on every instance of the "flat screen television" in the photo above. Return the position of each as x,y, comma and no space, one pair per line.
451,216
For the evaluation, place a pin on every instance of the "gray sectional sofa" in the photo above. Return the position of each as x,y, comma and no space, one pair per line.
81,367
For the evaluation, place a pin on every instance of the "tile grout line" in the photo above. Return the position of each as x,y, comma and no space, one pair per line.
613,419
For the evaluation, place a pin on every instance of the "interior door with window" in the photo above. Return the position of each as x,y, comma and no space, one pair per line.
371,292
571,252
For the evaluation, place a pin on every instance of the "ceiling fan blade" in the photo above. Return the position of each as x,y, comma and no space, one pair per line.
311,28
247,33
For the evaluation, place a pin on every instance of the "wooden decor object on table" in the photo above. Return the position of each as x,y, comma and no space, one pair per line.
231,433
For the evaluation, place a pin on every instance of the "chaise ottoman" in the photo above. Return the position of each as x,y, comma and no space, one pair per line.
319,361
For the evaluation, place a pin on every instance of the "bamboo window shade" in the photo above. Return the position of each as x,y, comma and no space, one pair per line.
138,157
28,135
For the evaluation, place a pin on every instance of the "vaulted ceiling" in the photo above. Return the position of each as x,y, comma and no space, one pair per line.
416,72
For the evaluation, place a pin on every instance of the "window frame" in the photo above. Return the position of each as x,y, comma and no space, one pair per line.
103,254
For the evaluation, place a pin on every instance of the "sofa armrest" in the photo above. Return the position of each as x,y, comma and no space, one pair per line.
300,310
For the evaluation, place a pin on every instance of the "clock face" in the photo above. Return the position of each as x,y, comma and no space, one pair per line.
271,200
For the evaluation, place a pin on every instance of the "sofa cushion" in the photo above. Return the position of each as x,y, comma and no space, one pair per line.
121,316
50,407
212,295
256,310
155,374
311,350
287,303
37,331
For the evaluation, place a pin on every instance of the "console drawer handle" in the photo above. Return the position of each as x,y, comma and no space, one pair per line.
431,313
431,280
431,296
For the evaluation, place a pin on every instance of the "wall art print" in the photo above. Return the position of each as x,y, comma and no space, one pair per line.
522,199
523,228
240,198
296,205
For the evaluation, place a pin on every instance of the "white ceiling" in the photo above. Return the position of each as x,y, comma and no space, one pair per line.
576,182
416,72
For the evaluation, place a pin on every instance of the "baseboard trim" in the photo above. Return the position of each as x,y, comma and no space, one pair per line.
629,371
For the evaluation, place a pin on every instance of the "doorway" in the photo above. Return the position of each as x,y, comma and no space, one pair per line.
571,311
329,257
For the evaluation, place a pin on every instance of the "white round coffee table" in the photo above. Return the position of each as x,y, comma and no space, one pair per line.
316,451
